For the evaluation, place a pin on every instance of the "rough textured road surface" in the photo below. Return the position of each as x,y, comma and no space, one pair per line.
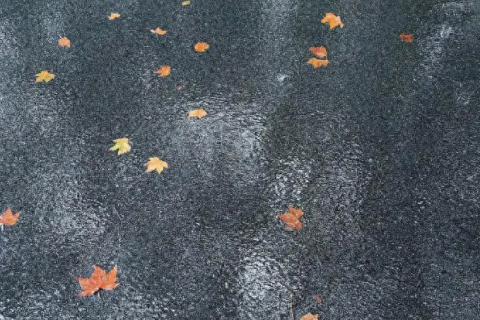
380,149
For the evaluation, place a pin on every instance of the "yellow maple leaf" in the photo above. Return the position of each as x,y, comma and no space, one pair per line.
309,316
121,145
64,42
332,20
317,62
164,71
113,16
199,113
44,75
159,31
185,3
155,164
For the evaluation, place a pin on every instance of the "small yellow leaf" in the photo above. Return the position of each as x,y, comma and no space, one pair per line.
332,20
121,145
185,3
199,113
44,75
159,31
201,46
309,316
156,164
164,71
317,62
64,42
113,16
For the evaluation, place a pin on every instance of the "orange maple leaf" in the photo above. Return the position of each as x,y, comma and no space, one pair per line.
64,42
201,46
156,164
113,16
199,113
159,31
318,62
406,37
332,20
320,52
292,218
164,71
309,316
99,280
8,218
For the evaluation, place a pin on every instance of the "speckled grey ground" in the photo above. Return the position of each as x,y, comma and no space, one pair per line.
380,149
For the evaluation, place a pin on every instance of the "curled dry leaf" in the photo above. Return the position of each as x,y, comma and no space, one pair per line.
159,31
44,75
406,37
99,280
8,218
121,145
156,164
332,20
64,42
318,62
113,16
309,316
320,52
199,113
185,3
164,71
292,218
201,46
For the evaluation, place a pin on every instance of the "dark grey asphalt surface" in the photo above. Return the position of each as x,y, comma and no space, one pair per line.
380,149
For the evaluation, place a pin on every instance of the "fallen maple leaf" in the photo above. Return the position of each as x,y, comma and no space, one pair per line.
159,31
309,316
332,20
64,42
121,145
185,3
156,164
320,52
164,71
44,75
199,113
8,218
99,280
406,37
201,46
292,218
113,16
318,62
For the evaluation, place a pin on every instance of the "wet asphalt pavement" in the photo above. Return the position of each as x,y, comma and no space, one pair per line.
380,149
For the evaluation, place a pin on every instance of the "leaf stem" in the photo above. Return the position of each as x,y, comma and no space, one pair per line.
291,307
